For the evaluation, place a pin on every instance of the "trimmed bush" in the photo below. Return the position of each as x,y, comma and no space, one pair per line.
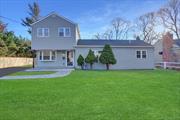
107,56
80,61
91,58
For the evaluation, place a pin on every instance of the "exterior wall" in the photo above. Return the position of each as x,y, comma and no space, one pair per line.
158,48
58,63
126,58
177,54
54,41
14,61
171,51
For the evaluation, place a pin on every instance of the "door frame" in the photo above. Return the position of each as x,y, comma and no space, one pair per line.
73,58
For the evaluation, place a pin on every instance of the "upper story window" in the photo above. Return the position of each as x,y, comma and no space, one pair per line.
64,32
43,32
141,54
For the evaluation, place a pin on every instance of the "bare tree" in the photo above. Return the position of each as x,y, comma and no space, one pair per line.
120,28
146,26
97,36
108,34
170,16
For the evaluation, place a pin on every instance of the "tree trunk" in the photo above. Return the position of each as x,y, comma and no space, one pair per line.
33,61
82,67
107,66
91,66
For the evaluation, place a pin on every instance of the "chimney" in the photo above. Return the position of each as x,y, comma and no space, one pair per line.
167,47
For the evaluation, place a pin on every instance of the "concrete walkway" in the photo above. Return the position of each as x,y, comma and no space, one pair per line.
58,73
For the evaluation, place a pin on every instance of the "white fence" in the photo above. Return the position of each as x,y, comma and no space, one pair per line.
170,65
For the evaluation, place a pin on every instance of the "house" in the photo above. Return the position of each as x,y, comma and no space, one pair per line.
167,49
58,44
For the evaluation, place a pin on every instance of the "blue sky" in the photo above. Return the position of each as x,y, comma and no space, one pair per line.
92,15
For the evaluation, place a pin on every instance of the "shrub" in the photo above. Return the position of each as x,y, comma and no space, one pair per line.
90,58
80,61
107,56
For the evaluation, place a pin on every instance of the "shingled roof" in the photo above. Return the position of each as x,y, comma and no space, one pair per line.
102,42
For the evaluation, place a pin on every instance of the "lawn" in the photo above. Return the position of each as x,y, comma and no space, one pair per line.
21,73
94,95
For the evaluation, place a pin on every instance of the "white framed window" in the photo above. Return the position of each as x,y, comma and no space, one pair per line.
141,54
97,53
47,55
64,32
144,54
61,32
43,32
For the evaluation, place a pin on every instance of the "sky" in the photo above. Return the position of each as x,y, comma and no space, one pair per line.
92,16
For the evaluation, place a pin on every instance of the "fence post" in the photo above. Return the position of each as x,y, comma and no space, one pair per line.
165,65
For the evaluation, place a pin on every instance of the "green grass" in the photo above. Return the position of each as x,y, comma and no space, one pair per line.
21,73
94,95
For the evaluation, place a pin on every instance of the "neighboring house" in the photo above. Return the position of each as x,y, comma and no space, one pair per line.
167,49
57,43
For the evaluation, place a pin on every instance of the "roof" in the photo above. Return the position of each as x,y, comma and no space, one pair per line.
54,13
177,42
102,42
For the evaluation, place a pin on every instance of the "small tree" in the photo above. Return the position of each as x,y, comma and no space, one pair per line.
107,56
91,58
80,61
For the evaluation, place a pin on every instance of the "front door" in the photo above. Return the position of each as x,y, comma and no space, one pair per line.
70,58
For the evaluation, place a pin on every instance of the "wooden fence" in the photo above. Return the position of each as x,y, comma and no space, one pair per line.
168,65
14,61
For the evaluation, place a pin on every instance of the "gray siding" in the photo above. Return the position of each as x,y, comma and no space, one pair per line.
158,48
53,41
126,58
59,62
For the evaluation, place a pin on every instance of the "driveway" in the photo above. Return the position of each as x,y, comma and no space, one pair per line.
6,71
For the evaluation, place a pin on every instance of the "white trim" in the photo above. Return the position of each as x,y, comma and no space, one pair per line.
66,57
50,53
73,58
43,32
141,54
64,31
53,13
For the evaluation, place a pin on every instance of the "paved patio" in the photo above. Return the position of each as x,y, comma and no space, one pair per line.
58,73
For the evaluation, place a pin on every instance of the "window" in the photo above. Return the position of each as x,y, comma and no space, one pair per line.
43,32
46,32
53,55
40,32
141,54
40,55
47,55
67,32
97,53
138,54
64,32
61,32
